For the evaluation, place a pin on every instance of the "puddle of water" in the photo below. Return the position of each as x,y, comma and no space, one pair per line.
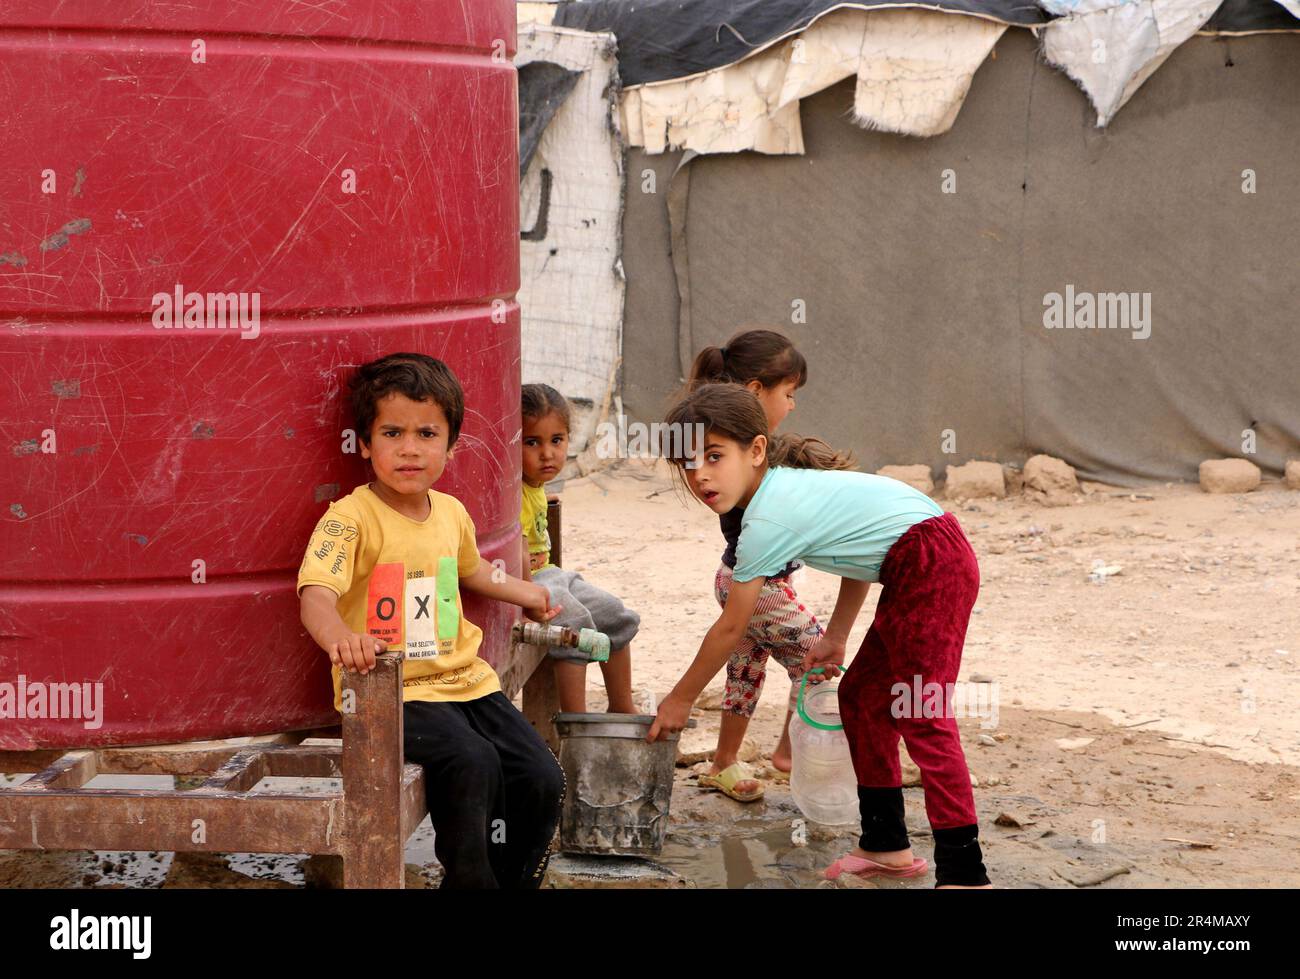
755,854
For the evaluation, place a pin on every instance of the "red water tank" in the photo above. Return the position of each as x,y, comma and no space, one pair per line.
349,173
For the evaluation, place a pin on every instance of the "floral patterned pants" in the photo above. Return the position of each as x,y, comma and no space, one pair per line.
781,628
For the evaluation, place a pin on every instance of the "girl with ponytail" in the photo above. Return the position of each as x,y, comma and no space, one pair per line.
767,364
800,502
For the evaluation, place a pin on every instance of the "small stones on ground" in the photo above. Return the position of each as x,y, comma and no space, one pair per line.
1082,879
579,872
1293,474
697,744
1101,571
711,699
1014,479
1071,744
975,480
918,476
1229,475
800,859
852,883
1013,820
1050,481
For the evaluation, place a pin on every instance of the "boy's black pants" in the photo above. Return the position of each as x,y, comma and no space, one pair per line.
493,789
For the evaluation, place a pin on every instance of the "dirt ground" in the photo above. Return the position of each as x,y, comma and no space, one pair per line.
1146,720
1145,735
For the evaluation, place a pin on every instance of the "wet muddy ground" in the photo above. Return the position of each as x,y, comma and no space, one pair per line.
1128,808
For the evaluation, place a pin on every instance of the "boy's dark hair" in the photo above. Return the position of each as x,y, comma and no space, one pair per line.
752,354
419,377
539,400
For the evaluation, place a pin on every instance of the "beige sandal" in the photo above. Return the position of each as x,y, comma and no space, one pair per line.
726,780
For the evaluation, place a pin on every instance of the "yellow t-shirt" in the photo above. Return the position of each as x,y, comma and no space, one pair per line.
532,517
398,579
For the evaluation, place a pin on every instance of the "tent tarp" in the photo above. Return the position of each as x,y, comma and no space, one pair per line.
1254,16
921,311
662,39
543,87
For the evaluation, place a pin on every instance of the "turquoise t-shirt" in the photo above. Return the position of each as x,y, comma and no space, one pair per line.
836,520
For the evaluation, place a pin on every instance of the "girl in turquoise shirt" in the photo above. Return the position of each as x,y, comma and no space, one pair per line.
865,529
782,629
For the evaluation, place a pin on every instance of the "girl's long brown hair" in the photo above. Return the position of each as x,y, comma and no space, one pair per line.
734,412
752,354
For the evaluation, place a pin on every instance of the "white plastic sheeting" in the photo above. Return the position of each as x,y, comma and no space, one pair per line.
1110,47
913,68
571,285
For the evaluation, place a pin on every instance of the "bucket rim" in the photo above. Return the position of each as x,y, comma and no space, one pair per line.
597,717
599,725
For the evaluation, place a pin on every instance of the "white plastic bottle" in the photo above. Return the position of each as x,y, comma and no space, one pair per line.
821,777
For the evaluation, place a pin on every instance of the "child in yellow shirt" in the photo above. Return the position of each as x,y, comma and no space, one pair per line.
384,570
546,443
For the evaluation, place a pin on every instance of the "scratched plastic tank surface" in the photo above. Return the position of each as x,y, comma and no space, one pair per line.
351,165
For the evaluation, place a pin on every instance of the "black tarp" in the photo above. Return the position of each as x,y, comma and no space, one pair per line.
1243,16
662,39
543,87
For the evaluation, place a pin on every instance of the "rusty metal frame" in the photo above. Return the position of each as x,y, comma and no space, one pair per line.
366,822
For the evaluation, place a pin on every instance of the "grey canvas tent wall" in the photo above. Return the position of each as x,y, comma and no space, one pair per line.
924,310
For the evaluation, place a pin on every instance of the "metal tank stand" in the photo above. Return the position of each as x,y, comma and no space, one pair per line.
367,822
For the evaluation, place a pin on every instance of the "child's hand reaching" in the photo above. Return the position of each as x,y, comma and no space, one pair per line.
829,653
355,652
672,716
538,607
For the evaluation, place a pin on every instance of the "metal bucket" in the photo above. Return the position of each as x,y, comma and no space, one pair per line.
619,787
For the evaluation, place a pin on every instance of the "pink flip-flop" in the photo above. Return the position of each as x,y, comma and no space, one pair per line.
864,868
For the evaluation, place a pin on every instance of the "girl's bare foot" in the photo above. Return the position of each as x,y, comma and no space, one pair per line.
890,858
783,756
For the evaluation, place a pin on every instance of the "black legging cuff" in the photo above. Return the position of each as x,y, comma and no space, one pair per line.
883,826
957,857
